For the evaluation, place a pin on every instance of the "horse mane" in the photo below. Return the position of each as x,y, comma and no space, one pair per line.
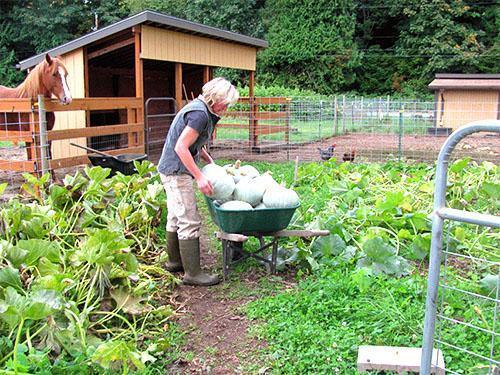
32,85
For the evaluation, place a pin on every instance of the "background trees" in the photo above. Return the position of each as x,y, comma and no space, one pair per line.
371,47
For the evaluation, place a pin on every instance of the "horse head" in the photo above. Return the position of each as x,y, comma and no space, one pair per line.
54,79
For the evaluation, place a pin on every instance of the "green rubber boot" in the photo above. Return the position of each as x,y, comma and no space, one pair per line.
190,255
174,263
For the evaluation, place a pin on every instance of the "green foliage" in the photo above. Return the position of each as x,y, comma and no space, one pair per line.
311,45
78,272
318,327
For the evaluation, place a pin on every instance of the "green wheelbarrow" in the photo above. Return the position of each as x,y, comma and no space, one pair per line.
235,227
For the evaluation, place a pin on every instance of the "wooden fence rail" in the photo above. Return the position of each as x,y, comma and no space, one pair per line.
26,129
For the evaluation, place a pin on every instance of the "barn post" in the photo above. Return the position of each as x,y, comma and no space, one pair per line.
86,86
253,136
178,85
206,74
138,140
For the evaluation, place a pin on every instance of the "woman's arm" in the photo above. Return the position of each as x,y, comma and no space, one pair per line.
186,139
206,156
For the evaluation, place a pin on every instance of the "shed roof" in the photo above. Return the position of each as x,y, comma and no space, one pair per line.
466,82
149,18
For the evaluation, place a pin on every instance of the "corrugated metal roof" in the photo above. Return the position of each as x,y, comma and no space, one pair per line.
466,82
150,17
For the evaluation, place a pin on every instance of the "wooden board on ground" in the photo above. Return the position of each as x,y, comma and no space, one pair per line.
393,358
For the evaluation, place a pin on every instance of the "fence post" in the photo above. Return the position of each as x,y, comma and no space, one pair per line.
343,114
44,143
361,113
320,118
335,117
400,136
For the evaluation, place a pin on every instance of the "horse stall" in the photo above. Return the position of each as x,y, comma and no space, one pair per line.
139,71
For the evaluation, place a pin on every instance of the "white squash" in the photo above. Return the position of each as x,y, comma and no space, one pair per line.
280,197
222,183
236,206
247,190
266,180
249,171
260,206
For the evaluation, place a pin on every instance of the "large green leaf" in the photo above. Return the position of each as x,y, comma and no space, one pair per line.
37,248
117,354
10,277
381,258
489,284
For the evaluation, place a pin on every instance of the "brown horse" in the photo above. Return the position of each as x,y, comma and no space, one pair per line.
47,78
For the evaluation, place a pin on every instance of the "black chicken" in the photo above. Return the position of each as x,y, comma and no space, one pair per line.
327,153
349,156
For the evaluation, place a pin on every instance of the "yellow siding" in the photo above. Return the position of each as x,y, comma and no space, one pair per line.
168,45
462,107
72,119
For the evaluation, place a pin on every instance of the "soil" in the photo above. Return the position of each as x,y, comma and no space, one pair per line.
218,338
368,147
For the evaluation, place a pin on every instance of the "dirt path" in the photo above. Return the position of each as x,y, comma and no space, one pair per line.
217,339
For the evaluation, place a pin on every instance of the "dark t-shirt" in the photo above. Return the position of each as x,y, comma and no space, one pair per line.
197,116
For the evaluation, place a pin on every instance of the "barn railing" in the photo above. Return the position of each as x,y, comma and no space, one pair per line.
20,122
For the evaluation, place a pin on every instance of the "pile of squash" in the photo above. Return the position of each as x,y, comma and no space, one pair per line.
239,187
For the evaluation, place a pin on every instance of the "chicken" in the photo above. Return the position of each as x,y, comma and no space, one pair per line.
349,156
327,153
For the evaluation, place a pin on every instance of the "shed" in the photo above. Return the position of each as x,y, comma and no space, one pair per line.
145,56
462,98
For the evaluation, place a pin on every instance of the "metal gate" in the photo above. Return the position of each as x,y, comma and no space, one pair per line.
487,358
160,112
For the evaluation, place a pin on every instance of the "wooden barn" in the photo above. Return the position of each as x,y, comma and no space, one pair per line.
146,56
462,98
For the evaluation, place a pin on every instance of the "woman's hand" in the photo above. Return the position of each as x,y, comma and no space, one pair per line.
205,185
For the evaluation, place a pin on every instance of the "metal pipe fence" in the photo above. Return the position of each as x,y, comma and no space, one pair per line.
442,291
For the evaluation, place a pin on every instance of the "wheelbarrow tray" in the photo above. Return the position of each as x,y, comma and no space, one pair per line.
123,163
265,220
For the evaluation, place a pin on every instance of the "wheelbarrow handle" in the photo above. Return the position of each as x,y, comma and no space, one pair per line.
94,150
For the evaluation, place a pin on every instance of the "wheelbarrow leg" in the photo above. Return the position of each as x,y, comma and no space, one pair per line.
226,258
274,256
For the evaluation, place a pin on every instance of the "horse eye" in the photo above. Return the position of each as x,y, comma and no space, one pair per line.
54,75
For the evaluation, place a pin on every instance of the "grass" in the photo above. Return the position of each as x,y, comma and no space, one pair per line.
318,328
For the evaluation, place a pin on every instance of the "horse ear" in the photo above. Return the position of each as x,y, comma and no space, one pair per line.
48,59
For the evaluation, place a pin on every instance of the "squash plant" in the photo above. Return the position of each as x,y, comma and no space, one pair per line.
78,270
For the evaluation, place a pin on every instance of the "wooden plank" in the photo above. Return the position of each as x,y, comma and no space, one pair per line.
392,358
232,126
111,48
258,115
265,100
17,165
83,159
93,104
16,105
231,236
93,131
301,233
271,129
16,136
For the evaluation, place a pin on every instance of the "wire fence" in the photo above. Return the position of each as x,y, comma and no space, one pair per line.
268,129
374,129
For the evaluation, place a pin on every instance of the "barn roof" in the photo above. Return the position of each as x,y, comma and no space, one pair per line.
149,18
466,82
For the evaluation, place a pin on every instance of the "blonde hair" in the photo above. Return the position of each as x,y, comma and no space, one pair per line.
219,90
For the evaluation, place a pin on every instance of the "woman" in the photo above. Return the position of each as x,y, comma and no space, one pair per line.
190,131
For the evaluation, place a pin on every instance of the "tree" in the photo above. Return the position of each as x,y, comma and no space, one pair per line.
311,44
